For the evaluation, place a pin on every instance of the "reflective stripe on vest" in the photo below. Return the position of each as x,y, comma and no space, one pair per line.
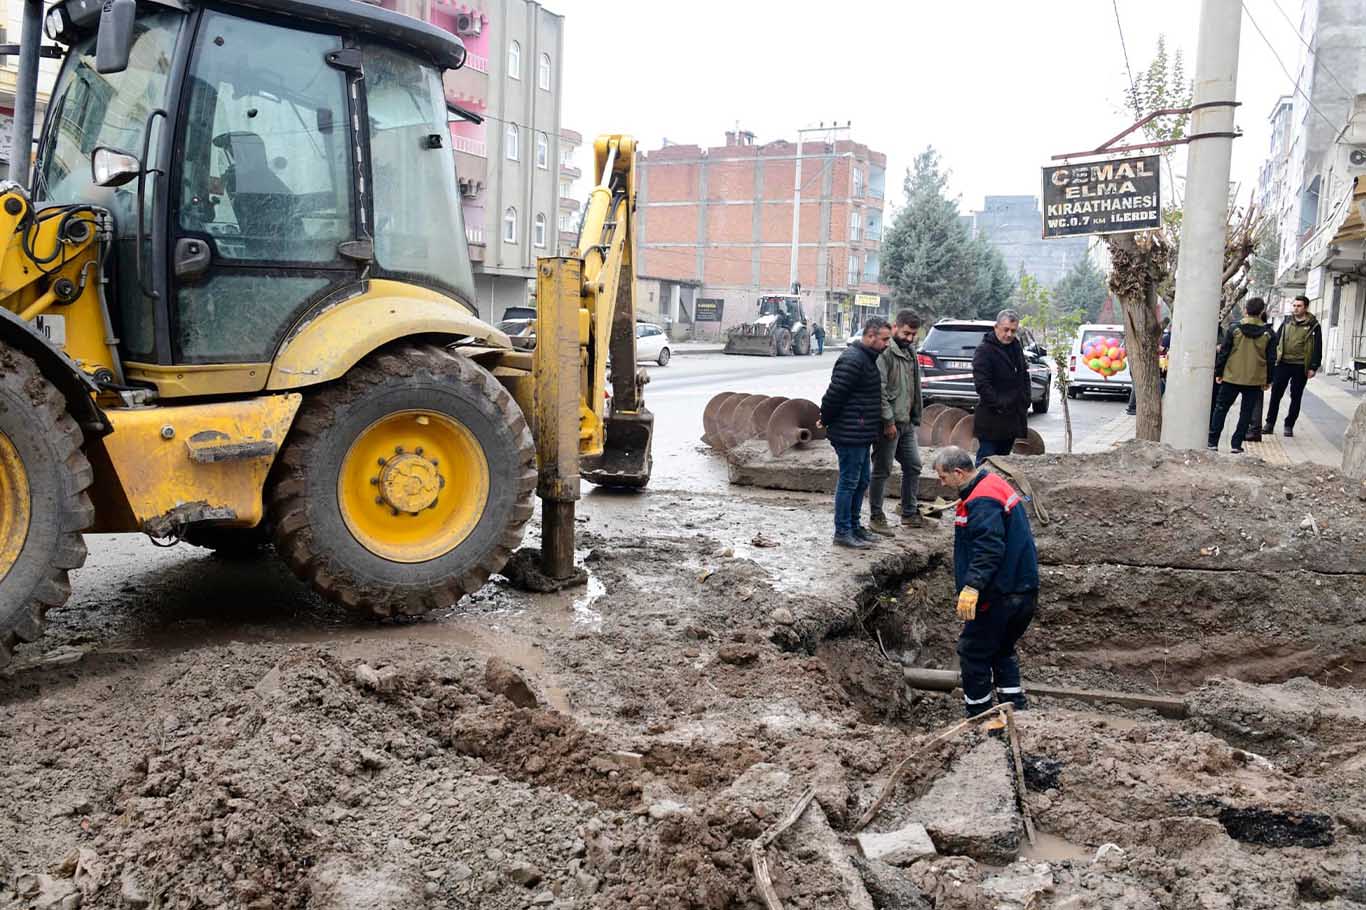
991,486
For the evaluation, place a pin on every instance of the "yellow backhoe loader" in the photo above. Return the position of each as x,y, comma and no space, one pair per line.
237,307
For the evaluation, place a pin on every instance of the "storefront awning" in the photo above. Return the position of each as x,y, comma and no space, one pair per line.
1344,218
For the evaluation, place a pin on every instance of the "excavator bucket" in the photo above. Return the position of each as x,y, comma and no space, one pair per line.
740,425
793,423
711,430
625,461
740,343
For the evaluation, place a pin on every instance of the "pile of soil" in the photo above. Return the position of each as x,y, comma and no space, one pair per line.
620,746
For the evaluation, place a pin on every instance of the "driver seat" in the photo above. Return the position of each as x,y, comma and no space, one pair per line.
262,203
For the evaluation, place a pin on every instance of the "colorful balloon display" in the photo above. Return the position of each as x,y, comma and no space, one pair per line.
1104,355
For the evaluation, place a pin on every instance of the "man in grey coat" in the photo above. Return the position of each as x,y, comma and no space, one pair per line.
901,410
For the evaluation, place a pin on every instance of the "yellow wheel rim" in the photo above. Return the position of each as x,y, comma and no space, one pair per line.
14,505
413,486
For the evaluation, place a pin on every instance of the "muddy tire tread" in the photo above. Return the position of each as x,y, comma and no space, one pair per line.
22,622
294,534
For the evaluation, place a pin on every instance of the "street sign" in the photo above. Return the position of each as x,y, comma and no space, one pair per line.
1102,197
867,300
706,309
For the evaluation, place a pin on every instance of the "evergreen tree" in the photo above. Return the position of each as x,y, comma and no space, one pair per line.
927,258
992,286
1082,289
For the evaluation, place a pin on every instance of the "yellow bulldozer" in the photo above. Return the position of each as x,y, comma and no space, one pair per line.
237,308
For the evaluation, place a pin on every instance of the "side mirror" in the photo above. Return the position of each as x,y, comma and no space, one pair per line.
111,167
114,43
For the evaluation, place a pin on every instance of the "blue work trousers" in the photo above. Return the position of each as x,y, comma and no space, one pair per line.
855,470
986,650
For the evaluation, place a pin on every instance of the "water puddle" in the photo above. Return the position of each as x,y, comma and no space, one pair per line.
1049,848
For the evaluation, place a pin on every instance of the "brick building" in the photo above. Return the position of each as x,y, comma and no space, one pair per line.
718,221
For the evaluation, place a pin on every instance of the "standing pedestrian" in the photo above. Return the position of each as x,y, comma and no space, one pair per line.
901,410
996,574
818,333
1001,375
1244,366
1299,354
851,411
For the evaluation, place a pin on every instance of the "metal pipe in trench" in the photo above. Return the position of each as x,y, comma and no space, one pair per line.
930,680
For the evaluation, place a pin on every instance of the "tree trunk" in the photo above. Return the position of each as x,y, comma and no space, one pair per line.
1142,334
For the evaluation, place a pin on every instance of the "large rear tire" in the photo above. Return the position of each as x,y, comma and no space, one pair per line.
405,484
783,343
43,503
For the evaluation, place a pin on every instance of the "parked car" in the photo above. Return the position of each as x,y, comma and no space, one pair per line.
652,344
946,364
1099,361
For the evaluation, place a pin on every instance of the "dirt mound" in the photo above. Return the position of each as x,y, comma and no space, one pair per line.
1148,505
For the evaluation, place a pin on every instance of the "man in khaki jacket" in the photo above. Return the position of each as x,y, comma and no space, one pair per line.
1244,366
901,410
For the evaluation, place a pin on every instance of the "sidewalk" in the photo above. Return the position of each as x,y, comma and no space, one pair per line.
697,347
1327,409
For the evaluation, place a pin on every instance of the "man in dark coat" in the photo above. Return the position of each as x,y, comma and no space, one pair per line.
1001,375
818,333
851,412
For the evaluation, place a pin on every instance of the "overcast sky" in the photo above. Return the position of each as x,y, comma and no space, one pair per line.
997,86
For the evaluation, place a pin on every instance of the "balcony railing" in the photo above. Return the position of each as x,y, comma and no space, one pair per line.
476,147
474,234
874,192
477,62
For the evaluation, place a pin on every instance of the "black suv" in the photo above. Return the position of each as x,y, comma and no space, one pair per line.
946,363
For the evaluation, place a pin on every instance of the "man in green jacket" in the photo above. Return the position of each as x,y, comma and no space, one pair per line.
1299,354
1244,366
901,410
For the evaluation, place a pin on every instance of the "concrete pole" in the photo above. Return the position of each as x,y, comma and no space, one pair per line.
26,93
796,213
1199,273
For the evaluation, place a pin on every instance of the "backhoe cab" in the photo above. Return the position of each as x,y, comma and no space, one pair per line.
237,307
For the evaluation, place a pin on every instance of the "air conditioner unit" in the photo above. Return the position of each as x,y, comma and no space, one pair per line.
469,24
1357,157
471,188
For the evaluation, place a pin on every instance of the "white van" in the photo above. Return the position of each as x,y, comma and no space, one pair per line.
1099,361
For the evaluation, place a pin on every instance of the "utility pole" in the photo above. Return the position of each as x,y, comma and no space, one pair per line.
832,131
1199,271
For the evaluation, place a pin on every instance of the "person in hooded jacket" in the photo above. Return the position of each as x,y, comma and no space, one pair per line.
1243,367
1001,377
1299,355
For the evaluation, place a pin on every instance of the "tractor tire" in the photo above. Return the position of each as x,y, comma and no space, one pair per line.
230,543
43,503
802,344
783,342
360,501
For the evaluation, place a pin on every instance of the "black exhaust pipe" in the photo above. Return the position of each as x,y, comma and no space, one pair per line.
26,93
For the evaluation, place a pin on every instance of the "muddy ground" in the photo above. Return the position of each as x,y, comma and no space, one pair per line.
621,745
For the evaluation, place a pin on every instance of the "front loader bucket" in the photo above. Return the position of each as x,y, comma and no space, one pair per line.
761,345
625,461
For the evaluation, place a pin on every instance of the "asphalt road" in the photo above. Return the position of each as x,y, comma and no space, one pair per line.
678,393
139,596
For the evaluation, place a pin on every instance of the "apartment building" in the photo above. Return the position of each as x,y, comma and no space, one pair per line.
718,221
508,164
1014,226
11,27
1321,204
571,199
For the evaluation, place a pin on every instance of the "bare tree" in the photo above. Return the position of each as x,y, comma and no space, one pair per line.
1142,262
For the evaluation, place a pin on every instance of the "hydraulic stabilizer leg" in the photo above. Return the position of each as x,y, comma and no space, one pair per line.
556,370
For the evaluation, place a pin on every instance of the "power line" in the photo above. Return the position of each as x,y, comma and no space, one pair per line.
1133,86
1299,91
1348,93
